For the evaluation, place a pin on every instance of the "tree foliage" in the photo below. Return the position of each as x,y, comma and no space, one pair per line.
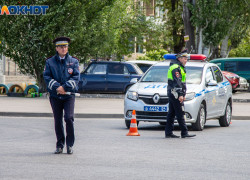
220,18
174,23
243,49
153,55
96,27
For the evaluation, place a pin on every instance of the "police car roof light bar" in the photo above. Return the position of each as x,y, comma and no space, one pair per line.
169,56
200,57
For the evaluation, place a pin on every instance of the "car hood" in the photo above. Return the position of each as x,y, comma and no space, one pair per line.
150,88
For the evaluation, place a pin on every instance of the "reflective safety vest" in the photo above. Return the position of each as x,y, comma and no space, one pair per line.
183,73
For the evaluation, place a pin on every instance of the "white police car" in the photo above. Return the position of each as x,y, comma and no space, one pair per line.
209,95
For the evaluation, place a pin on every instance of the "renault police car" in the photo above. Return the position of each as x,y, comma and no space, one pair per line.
209,94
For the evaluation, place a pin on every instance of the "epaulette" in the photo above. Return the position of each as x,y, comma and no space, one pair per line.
48,58
76,58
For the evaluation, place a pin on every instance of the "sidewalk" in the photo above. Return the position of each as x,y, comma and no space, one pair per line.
88,107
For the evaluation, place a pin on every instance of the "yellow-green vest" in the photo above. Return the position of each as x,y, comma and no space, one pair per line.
174,66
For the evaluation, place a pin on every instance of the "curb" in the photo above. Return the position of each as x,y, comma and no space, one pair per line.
26,114
117,116
241,100
122,96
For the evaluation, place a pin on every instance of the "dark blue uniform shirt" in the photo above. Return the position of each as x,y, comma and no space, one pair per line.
61,73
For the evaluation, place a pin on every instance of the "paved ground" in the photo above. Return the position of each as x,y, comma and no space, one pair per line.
103,151
95,107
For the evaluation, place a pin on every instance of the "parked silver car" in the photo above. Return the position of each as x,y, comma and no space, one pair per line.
244,85
209,95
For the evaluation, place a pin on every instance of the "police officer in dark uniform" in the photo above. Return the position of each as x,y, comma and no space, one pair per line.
176,93
62,75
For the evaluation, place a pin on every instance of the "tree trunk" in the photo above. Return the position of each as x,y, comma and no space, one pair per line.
223,51
215,52
189,28
206,50
200,42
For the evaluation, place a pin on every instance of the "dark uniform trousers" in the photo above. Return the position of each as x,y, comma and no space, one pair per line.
175,109
58,105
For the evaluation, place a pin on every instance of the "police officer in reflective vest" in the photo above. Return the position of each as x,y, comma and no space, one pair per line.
176,93
61,75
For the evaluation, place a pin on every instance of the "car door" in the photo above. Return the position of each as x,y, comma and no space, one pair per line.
210,93
117,78
95,78
220,90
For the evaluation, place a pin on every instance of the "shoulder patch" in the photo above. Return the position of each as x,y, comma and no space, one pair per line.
76,58
48,58
177,74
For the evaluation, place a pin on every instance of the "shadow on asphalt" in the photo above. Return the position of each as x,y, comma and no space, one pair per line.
176,127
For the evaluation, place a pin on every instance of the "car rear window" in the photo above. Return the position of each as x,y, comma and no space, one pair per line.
144,67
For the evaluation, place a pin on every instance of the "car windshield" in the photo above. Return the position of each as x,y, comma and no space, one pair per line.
160,74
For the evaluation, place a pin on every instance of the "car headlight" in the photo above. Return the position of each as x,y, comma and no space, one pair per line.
243,80
132,95
189,96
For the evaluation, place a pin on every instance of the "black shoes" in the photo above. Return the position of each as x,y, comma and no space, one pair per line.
171,136
58,150
69,150
183,136
188,135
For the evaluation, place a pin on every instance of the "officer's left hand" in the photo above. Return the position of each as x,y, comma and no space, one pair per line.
60,90
181,99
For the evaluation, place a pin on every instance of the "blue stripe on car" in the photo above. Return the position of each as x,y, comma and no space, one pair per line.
205,91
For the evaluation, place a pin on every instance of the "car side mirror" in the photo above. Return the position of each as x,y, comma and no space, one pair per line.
212,83
134,80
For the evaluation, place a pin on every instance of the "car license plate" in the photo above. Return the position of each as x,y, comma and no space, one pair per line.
155,108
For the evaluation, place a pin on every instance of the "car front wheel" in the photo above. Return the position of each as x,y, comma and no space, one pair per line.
201,119
226,119
127,122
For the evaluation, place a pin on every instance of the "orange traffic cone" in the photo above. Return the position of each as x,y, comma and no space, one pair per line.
133,126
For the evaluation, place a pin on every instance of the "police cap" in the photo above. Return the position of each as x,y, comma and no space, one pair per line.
182,54
62,41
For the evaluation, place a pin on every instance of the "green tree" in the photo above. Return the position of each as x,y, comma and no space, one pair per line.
243,50
215,21
100,27
154,55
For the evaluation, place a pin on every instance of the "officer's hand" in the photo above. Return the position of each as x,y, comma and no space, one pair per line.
181,99
60,90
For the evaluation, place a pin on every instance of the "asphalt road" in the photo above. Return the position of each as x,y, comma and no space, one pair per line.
103,151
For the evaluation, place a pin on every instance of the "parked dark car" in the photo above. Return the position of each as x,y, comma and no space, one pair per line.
108,77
